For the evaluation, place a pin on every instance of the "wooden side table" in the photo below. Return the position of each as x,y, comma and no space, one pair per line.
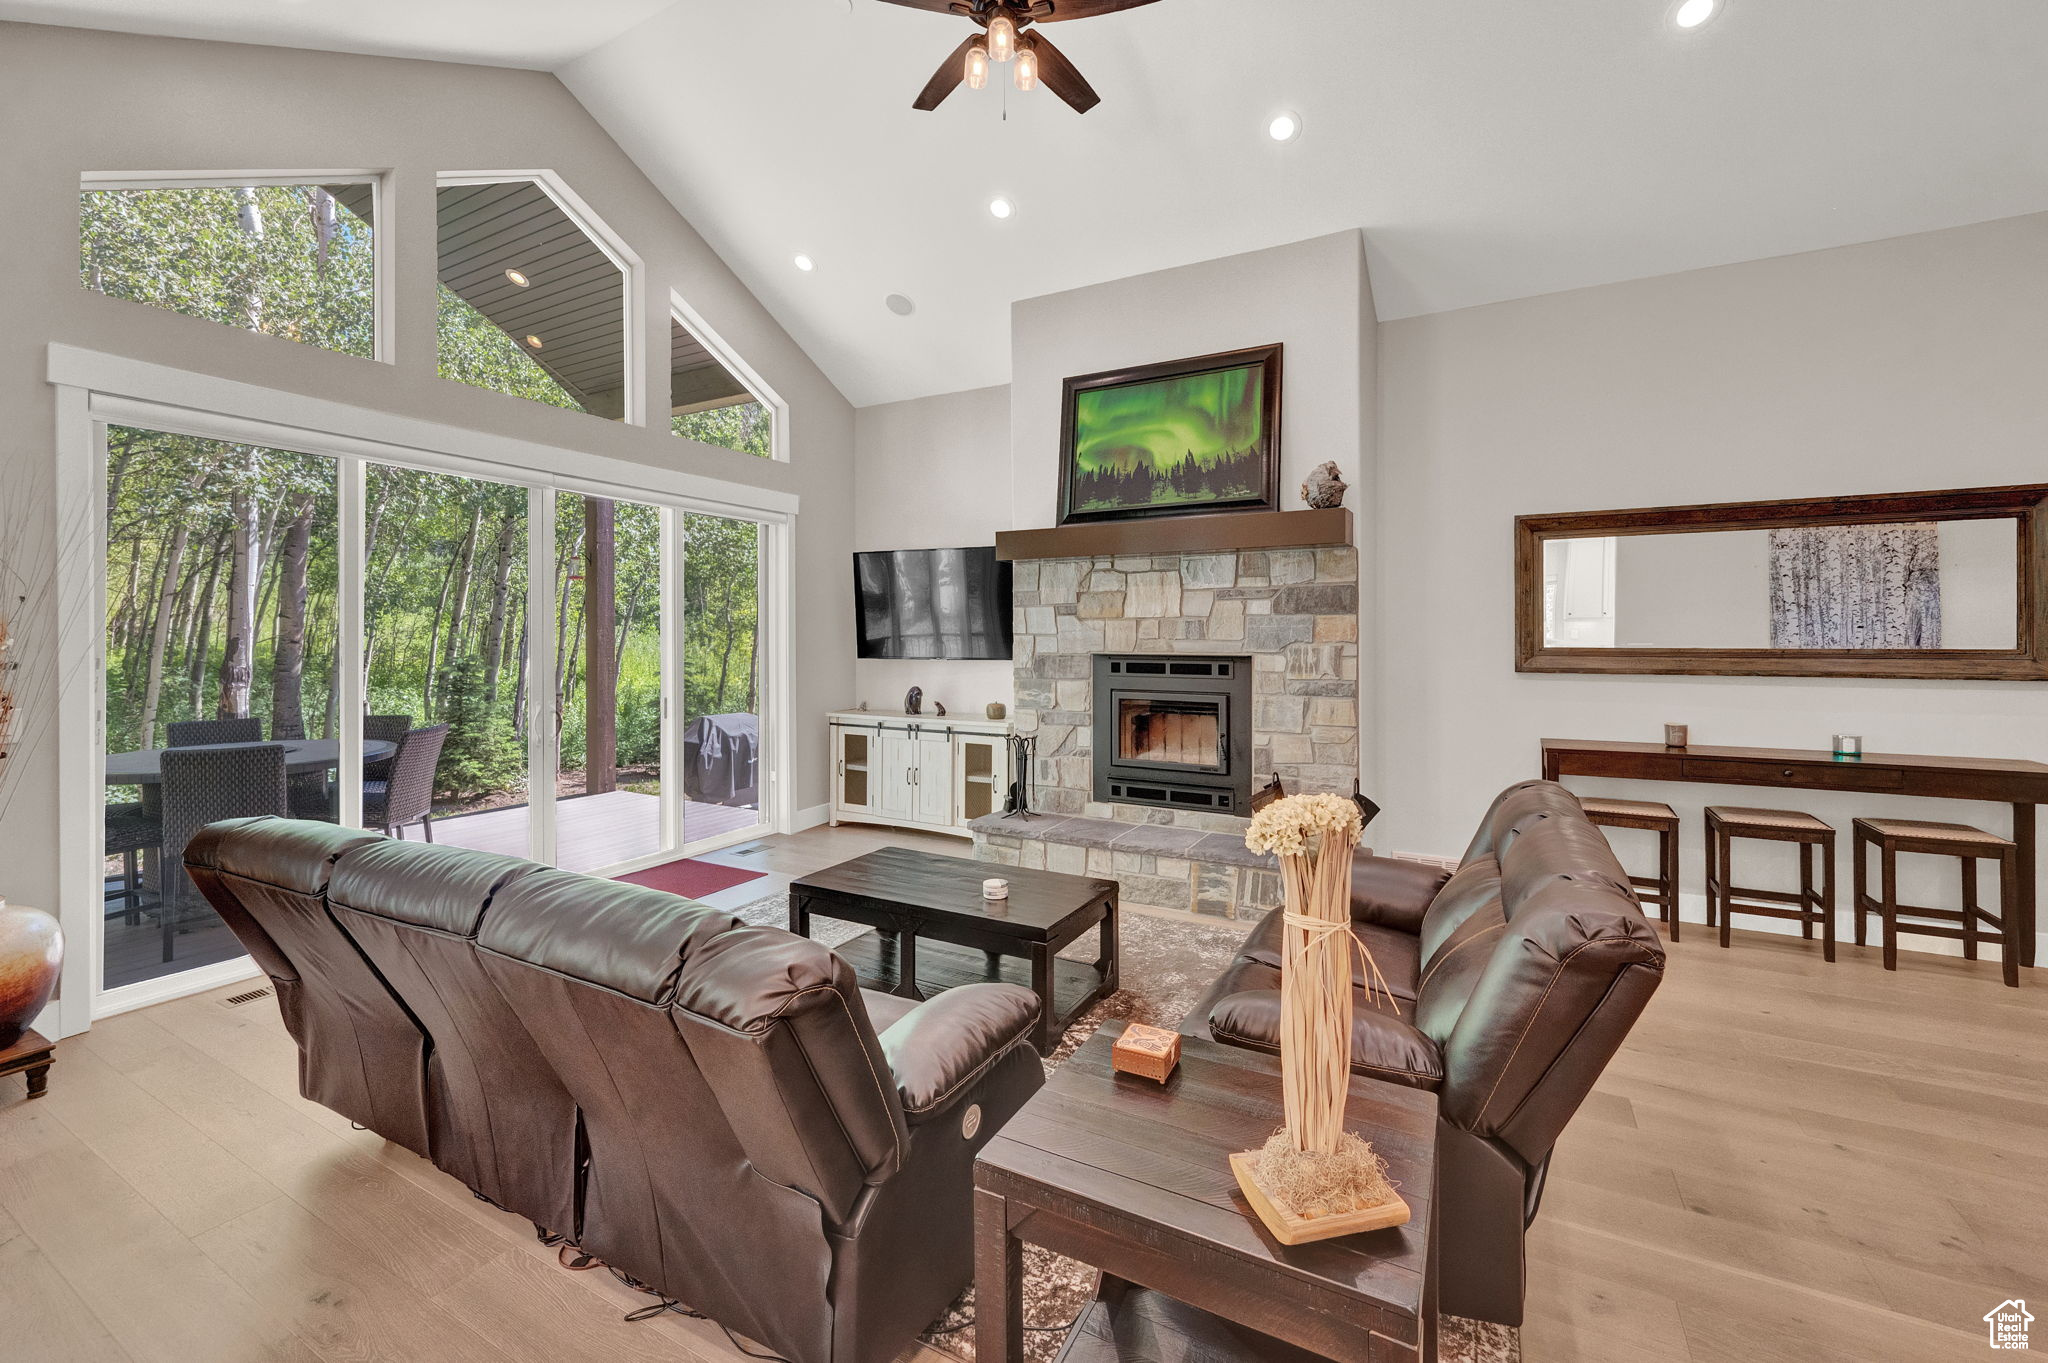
32,1055
1133,1177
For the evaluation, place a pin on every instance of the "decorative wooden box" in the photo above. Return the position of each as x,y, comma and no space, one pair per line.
1150,1052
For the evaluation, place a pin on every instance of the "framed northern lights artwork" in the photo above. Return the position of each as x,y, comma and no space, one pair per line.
1175,439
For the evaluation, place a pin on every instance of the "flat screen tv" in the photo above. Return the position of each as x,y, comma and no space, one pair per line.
932,603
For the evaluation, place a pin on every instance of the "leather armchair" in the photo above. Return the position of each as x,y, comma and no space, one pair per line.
1514,981
704,1104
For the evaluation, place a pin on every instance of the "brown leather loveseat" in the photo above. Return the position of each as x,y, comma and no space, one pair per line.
1514,981
713,1108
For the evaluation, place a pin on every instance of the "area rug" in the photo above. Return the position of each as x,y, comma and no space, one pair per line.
1166,964
690,878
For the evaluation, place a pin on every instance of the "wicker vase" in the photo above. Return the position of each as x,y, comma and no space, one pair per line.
31,951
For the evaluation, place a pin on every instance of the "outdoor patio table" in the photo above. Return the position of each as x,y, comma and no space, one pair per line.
301,755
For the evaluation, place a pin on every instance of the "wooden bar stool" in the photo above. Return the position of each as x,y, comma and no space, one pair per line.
1807,907
1652,817
1969,846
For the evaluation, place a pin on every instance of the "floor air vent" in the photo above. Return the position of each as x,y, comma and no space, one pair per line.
237,1000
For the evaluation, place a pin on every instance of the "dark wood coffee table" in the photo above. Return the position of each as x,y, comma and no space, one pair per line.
937,931
1134,1177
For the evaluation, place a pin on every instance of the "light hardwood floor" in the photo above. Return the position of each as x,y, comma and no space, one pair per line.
1787,1161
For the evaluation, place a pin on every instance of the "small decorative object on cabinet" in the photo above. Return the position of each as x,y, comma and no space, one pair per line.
1325,487
31,954
1675,735
1848,745
996,710
1148,1052
939,708
913,700
917,772
1314,1179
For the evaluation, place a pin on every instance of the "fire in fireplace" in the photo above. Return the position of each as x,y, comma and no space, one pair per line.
1173,731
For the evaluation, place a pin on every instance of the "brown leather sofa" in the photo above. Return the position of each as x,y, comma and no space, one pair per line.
713,1108
1514,980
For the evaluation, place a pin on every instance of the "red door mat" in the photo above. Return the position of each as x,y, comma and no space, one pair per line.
692,879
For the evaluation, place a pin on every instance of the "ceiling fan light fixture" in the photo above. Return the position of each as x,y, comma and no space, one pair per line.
1027,70
977,67
1002,38
1285,126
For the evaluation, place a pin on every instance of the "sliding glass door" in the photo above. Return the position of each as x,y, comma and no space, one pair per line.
520,670
611,802
444,658
721,736
221,629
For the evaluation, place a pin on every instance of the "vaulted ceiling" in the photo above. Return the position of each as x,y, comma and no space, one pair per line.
1488,150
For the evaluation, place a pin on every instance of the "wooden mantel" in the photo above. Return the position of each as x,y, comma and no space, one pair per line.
1224,532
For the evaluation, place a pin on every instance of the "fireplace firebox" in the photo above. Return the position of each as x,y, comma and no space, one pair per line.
1173,731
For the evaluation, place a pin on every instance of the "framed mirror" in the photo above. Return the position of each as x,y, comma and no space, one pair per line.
1919,584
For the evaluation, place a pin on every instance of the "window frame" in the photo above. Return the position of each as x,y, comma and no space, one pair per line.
693,322
382,301
632,271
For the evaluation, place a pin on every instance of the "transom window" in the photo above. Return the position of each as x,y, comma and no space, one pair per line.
708,401
531,303
283,259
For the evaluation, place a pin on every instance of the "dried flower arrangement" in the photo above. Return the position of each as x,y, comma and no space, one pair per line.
1314,1179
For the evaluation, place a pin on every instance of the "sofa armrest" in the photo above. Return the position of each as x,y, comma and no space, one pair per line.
1392,891
1382,1045
939,1048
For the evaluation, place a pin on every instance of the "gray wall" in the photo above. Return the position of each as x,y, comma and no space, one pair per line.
73,101
1899,365
934,474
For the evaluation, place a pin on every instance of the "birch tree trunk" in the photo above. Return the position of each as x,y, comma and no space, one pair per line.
238,657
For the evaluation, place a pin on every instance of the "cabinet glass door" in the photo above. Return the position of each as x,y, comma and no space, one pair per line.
977,778
856,752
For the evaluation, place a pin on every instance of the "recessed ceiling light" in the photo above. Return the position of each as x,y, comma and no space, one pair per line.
1001,207
805,263
899,305
1693,13
533,341
517,278
1285,127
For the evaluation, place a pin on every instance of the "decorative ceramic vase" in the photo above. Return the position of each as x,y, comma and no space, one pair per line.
31,951
995,710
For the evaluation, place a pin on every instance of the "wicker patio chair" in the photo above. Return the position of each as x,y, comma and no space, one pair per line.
203,786
131,830
383,729
191,733
408,796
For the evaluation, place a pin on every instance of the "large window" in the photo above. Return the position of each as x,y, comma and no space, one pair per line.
290,260
711,404
721,675
531,304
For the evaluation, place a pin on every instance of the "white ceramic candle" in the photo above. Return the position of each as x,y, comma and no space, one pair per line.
995,889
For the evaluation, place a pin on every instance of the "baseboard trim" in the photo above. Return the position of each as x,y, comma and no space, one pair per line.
812,817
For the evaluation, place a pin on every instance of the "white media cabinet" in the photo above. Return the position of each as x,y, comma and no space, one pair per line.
918,771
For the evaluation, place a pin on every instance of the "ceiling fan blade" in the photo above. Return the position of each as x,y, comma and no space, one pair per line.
1076,9
936,6
947,78
1060,75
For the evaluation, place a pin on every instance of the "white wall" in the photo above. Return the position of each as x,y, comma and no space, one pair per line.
74,101
932,473
1900,365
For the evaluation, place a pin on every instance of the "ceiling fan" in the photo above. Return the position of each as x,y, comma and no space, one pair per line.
1005,38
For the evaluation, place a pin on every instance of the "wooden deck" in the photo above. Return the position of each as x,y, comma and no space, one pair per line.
591,831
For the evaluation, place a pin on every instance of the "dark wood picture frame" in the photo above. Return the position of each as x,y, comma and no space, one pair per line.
2026,504
1267,357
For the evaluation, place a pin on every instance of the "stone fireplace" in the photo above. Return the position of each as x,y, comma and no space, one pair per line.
1288,616
1174,733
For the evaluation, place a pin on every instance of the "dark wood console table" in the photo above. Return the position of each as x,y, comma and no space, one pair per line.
2021,784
